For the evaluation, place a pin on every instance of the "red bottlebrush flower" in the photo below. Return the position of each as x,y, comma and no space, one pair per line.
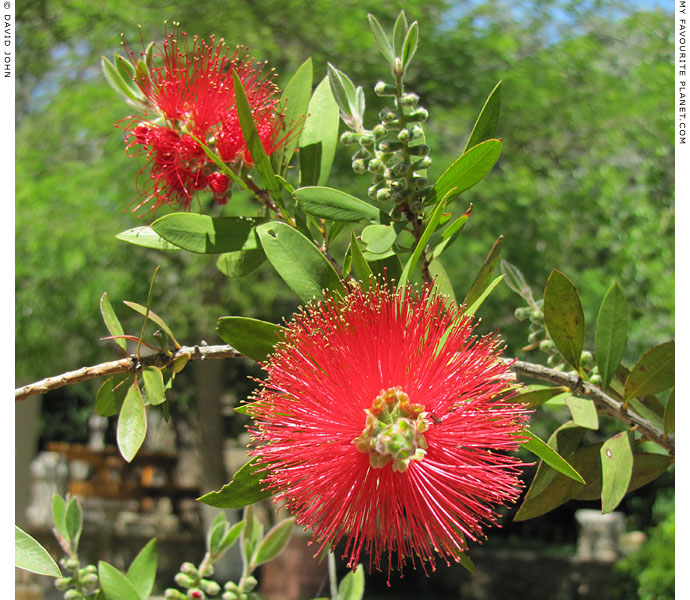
384,421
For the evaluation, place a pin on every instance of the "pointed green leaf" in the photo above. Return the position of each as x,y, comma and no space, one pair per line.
154,386
583,411
352,585
208,235
73,523
131,426
564,317
487,121
153,317
345,95
515,280
274,542
483,278
327,203
450,233
146,237
381,40
399,33
379,238
243,490
541,449
616,470
611,333
115,585
128,92
238,264
253,141
442,282
230,537
654,372
319,137
59,511
410,45
469,169
111,321
485,294
298,262
252,337
142,572
31,556
670,414
294,103
362,269
216,534
423,241
536,395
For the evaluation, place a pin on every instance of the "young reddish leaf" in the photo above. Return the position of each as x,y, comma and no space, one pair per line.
564,317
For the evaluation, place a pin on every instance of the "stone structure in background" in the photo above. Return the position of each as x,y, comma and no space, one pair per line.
599,537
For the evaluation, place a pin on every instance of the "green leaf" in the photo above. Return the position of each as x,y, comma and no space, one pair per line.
670,414
298,262
59,510
654,372
73,523
146,237
327,203
381,40
253,338
274,542
611,333
469,169
345,95
294,103
216,534
399,33
31,556
487,121
450,233
238,264
319,137
485,294
352,585
515,280
583,411
251,534
230,538
253,141
541,449
379,238
483,278
115,585
111,321
154,386
536,395
208,235
410,45
153,317
442,282
243,490
467,562
564,317
616,470
142,572
362,269
113,77
423,241
131,426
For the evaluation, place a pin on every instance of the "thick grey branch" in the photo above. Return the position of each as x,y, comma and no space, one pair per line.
131,364
603,401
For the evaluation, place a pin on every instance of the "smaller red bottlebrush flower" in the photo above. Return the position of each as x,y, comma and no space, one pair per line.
383,421
218,182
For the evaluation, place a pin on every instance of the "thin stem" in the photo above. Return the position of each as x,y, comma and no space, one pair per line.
332,576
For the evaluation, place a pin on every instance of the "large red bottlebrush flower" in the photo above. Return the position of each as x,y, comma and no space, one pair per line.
384,421
191,93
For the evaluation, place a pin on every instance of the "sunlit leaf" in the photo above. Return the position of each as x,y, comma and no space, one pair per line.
31,556
654,372
131,425
611,333
244,489
252,337
616,470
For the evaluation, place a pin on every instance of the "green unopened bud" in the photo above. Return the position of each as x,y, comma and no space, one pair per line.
359,166
409,99
534,336
595,379
249,583
210,587
71,564
73,595
184,581
375,166
422,163
521,313
90,580
379,131
536,315
348,138
383,195
229,596
420,182
367,140
173,594
546,346
63,583
208,571
231,586
387,115
417,132
90,569
189,569
418,116
420,150
384,89
553,360
586,358
390,146
404,135
400,169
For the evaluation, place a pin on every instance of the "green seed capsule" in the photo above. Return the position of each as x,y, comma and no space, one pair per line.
534,336
546,346
384,89
359,166
250,583
210,587
387,115
410,99
231,586
367,140
348,138
375,166
418,116
63,583
400,169
184,581
521,313
586,358
536,315
379,131
404,135
73,595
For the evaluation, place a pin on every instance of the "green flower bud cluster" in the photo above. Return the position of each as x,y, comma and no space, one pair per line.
243,591
82,584
197,587
394,153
